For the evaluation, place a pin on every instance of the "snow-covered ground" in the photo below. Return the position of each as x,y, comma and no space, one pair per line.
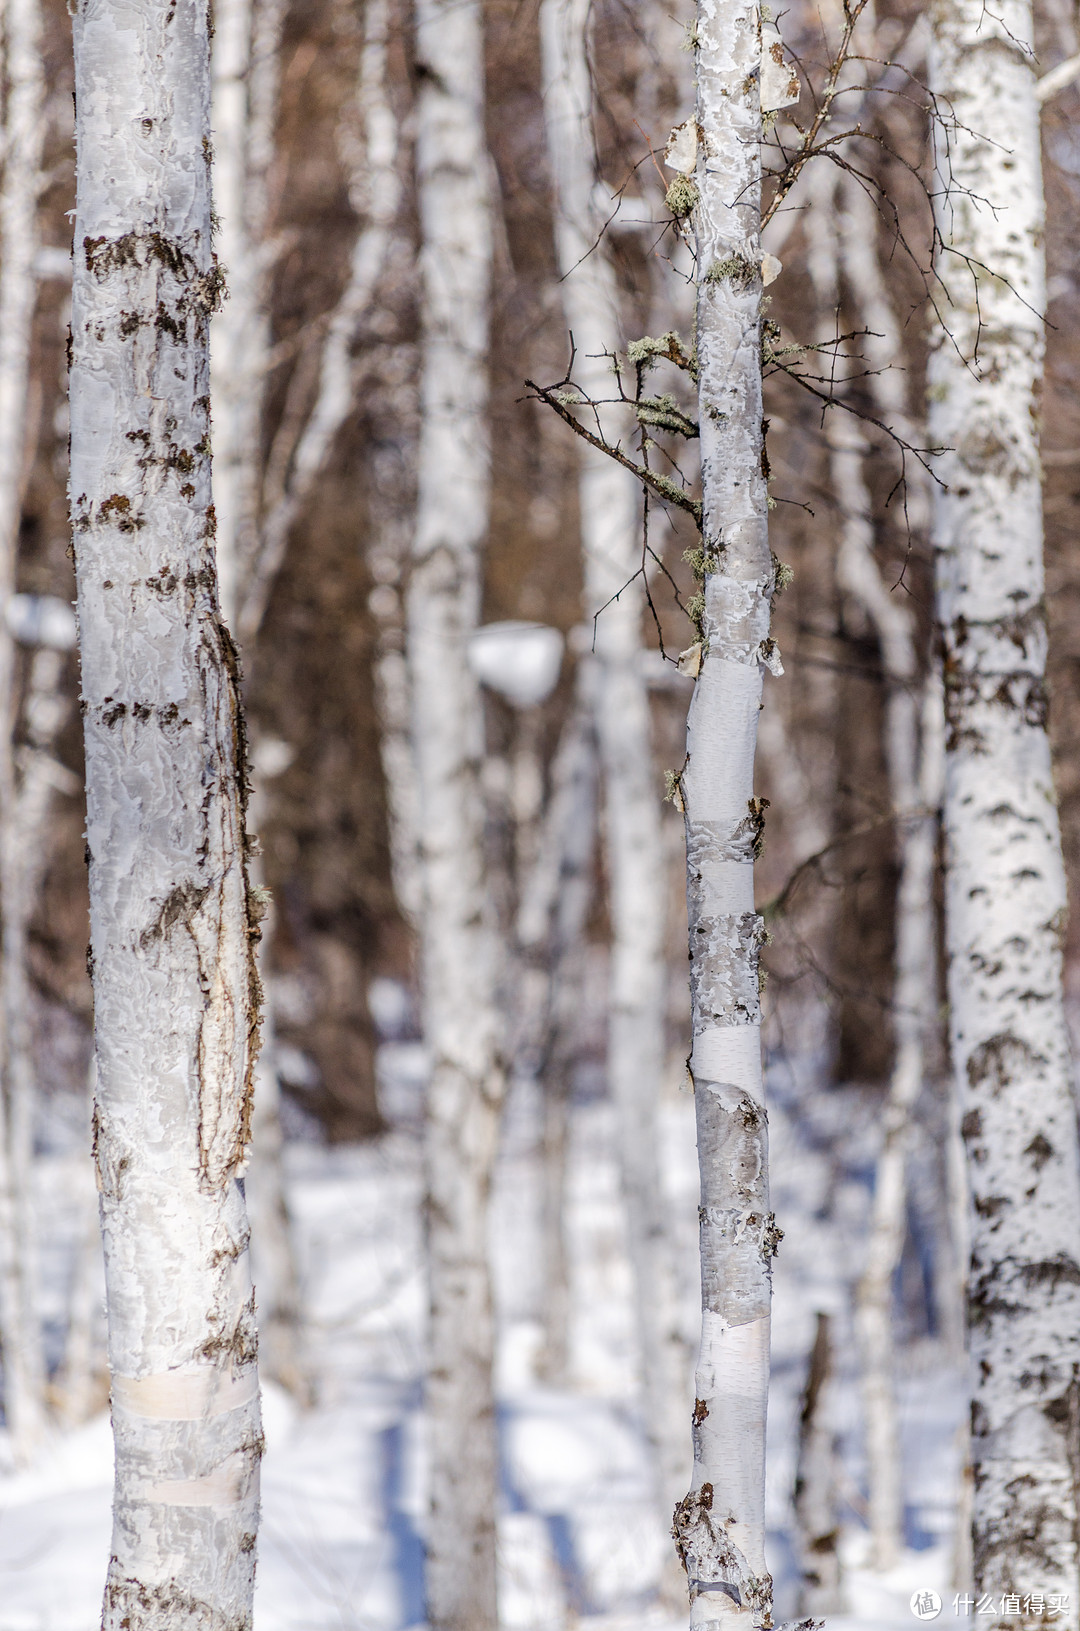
580,1545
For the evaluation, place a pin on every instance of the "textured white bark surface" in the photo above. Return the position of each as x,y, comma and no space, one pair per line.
175,990
456,938
721,1524
1005,891
610,510
24,125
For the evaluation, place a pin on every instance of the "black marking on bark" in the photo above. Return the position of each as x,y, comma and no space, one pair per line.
1040,1150
179,906
971,1126
118,506
998,1062
239,1344
1061,1269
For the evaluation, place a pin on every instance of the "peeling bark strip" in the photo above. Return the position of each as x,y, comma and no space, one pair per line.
720,1527
456,936
171,920
1005,893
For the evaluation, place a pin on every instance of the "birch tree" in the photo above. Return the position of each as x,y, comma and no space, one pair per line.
24,1371
1005,886
720,1525
172,924
457,949
912,753
610,525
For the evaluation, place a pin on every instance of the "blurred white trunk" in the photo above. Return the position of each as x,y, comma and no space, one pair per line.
20,1335
457,945
610,508
551,923
816,1503
240,331
1005,884
720,1525
375,194
172,922
912,763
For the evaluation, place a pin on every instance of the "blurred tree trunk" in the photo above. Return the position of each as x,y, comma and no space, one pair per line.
912,765
457,945
172,921
610,530
1005,884
24,124
306,437
816,1516
551,923
720,1526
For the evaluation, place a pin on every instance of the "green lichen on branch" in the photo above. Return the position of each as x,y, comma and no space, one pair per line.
704,558
682,197
664,413
695,611
771,351
783,575
662,486
734,269
647,352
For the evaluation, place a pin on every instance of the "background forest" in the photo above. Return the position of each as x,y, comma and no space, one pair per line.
586,658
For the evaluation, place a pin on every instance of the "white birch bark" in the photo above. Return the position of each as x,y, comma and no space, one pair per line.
610,526
24,1370
457,948
720,1526
1005,885
171,923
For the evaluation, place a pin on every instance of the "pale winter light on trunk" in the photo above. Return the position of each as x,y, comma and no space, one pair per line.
172,924
720,1526
1005,897
457,940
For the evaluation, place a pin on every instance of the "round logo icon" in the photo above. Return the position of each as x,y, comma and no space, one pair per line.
925,1605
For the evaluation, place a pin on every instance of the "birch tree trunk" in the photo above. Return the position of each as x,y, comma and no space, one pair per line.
240,332
551,923
610,523
20,1335
375,193
172,925
1005,885
457,947
911,759
816,1516
720,1526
